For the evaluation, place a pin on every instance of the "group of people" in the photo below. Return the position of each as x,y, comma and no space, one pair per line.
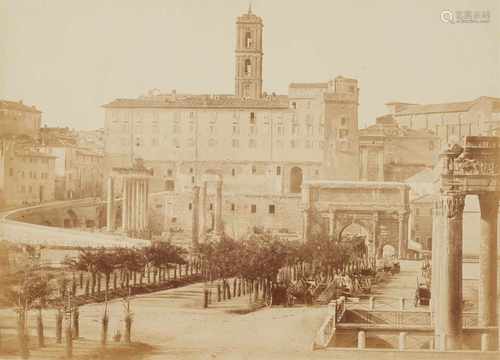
352,283
342,283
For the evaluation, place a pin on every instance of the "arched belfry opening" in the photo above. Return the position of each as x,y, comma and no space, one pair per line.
249,56
248,67
248,40
296,178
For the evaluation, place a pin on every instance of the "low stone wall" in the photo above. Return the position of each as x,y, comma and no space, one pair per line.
354,354
31,234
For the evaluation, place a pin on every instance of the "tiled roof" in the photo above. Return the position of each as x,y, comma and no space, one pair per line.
436,108
320,85
14,105
496,107
393,130
200,101
330,184
463,106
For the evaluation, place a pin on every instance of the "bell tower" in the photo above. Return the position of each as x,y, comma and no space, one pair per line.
248,74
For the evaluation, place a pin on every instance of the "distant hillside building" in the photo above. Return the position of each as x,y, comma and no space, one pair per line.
450,120
91,139
27,176
18,119
79,171
389,152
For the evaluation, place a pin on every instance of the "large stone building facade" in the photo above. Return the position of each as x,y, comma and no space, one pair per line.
79,170
27,176
17,119
451,121
390,152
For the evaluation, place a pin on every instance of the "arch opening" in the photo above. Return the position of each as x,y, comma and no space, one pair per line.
296,179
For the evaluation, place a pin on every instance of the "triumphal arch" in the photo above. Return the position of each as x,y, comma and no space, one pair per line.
470,170
381,208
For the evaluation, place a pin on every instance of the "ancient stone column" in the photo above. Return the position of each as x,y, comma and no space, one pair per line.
131,204
133,212
403,234
488,267
110,219
195,216
218,208
140,205
437,235
138,208
306,203
203,213
125,200
168,210
449,312
146,204
331,224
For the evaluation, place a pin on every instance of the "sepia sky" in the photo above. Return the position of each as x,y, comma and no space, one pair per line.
69,57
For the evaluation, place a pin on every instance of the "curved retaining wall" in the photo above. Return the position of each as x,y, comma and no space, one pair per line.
32,234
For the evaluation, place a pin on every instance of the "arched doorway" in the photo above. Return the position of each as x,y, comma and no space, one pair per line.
359,237
296,178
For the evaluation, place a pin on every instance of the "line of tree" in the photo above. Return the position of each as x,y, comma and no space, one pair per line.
36,287
128,266
261,259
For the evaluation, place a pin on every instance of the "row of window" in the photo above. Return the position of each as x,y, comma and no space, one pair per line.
30,174
235,143
295,129
250,116
35,160
271,209
170,184
26,189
